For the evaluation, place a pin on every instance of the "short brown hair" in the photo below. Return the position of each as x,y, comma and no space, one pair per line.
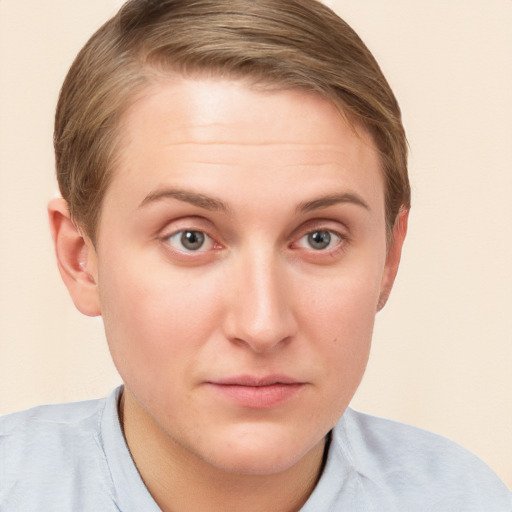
281,43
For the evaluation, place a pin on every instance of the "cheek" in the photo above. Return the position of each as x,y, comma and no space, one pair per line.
339,318
344,304
154,317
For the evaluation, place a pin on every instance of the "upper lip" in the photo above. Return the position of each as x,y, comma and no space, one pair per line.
255,381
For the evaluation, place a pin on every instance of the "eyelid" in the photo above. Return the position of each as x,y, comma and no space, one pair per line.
177,226
185,223
332,225
321,256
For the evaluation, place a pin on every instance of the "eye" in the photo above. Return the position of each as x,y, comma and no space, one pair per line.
190,241
320,240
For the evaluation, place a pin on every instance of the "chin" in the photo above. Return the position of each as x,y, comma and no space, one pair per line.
253,454
255,463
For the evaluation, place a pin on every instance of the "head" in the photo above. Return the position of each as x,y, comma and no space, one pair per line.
298,44
235,174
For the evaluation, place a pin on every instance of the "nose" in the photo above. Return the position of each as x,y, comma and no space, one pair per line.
260,307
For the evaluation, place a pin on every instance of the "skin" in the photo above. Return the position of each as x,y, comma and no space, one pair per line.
255,173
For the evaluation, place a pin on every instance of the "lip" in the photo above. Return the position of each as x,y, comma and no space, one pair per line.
257,392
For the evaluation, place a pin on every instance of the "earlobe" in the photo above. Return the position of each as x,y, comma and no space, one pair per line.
76,258
393,257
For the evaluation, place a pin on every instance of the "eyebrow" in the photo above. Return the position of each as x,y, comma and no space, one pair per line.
330,200
213,204
187,196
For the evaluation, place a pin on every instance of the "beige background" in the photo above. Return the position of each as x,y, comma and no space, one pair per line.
442,356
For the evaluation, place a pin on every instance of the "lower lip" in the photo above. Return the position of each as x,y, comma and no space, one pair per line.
258,397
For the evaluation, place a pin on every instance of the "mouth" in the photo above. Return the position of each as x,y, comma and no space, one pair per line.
256,392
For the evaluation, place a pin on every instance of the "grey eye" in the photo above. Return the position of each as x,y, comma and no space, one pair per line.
190,240
319,240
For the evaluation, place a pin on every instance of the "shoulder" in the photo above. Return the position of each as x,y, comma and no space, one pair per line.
49,450
418,466
55,414
49,428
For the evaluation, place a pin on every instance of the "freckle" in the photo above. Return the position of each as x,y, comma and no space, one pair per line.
334,341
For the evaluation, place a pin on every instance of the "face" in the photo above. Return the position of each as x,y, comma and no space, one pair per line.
240,258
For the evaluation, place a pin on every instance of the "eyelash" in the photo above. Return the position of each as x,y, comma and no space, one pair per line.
178,235
335,242
338,240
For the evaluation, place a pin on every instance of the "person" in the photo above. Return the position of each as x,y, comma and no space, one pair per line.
234,204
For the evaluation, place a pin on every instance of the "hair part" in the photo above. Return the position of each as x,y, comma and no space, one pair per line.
281,44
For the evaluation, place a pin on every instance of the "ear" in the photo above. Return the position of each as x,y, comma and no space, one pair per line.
393,257
76,258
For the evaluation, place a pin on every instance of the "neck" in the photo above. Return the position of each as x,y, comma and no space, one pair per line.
179,481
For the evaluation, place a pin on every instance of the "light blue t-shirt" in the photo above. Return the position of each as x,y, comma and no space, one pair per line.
73,457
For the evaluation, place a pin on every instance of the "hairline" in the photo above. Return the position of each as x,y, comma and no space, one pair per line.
152,76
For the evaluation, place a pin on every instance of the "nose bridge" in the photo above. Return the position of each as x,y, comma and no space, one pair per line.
261,312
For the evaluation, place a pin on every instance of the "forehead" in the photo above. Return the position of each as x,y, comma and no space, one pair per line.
209,130
239,106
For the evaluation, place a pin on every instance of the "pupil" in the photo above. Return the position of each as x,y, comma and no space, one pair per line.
192,240
319,239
